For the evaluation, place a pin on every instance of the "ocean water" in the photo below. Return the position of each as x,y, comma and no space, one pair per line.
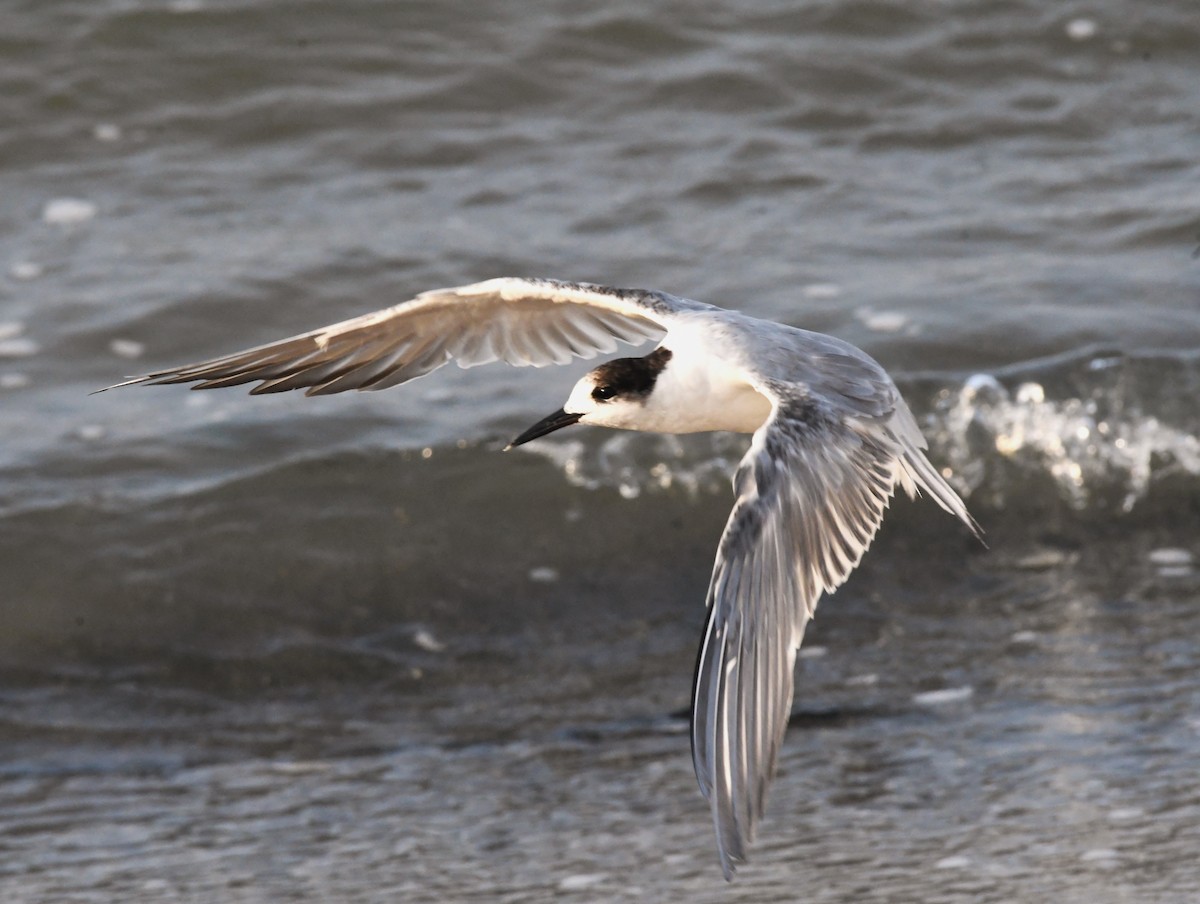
343,650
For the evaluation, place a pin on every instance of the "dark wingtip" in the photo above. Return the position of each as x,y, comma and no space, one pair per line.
131,381
976,530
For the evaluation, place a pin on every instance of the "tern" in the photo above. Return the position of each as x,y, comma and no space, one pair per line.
832,440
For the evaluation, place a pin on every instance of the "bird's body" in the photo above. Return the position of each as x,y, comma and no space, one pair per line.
832,441
707,363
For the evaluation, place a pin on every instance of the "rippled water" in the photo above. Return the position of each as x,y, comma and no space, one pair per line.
341,650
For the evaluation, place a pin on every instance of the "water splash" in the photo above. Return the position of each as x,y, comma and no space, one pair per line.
1100,428
1099,437
635,463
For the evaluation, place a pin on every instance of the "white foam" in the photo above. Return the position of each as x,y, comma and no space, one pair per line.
543,574
1174,571
427,642
106,131
882,321
822,290
11,328
812,652
958,861
1170,556
1080,445
1031,394
26,270
633,463
298,767
14,381
1082,29
126,348
69,211
1125,814
582,881
19,347
867,680
944,696
1042,560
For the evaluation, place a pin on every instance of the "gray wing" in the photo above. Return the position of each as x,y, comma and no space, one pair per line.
525,322
811,493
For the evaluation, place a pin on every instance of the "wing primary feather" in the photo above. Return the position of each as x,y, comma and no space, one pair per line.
521,321
811,493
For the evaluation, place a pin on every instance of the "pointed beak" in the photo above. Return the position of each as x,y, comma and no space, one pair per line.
548,424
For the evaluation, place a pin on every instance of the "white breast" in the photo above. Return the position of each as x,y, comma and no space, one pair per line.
701,391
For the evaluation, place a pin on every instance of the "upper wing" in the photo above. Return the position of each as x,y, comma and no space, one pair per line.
811,492
519,321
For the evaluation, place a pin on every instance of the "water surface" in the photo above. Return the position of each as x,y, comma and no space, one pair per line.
341,649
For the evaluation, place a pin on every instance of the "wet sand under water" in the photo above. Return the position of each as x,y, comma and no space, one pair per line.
1017,726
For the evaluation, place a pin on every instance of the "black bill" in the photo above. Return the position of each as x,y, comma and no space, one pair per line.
548,424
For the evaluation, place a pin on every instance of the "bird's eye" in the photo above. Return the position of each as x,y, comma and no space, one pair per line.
603,393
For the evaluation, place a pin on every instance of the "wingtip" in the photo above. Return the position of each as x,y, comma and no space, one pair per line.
131,381
977,532
970,523
729,864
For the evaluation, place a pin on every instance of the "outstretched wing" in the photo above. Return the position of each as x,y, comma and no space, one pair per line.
811,493
525,322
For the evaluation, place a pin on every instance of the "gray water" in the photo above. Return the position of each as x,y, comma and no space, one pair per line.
341,649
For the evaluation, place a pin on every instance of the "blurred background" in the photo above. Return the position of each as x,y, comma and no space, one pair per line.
341,649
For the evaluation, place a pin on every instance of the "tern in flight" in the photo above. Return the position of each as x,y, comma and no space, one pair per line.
832,441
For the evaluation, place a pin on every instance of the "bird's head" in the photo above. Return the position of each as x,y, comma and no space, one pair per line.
611,395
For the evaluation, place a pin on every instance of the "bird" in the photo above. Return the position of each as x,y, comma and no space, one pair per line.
832,440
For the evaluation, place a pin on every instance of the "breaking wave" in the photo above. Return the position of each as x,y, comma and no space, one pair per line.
1100,430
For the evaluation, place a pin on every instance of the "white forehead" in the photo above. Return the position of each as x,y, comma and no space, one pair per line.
580,398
